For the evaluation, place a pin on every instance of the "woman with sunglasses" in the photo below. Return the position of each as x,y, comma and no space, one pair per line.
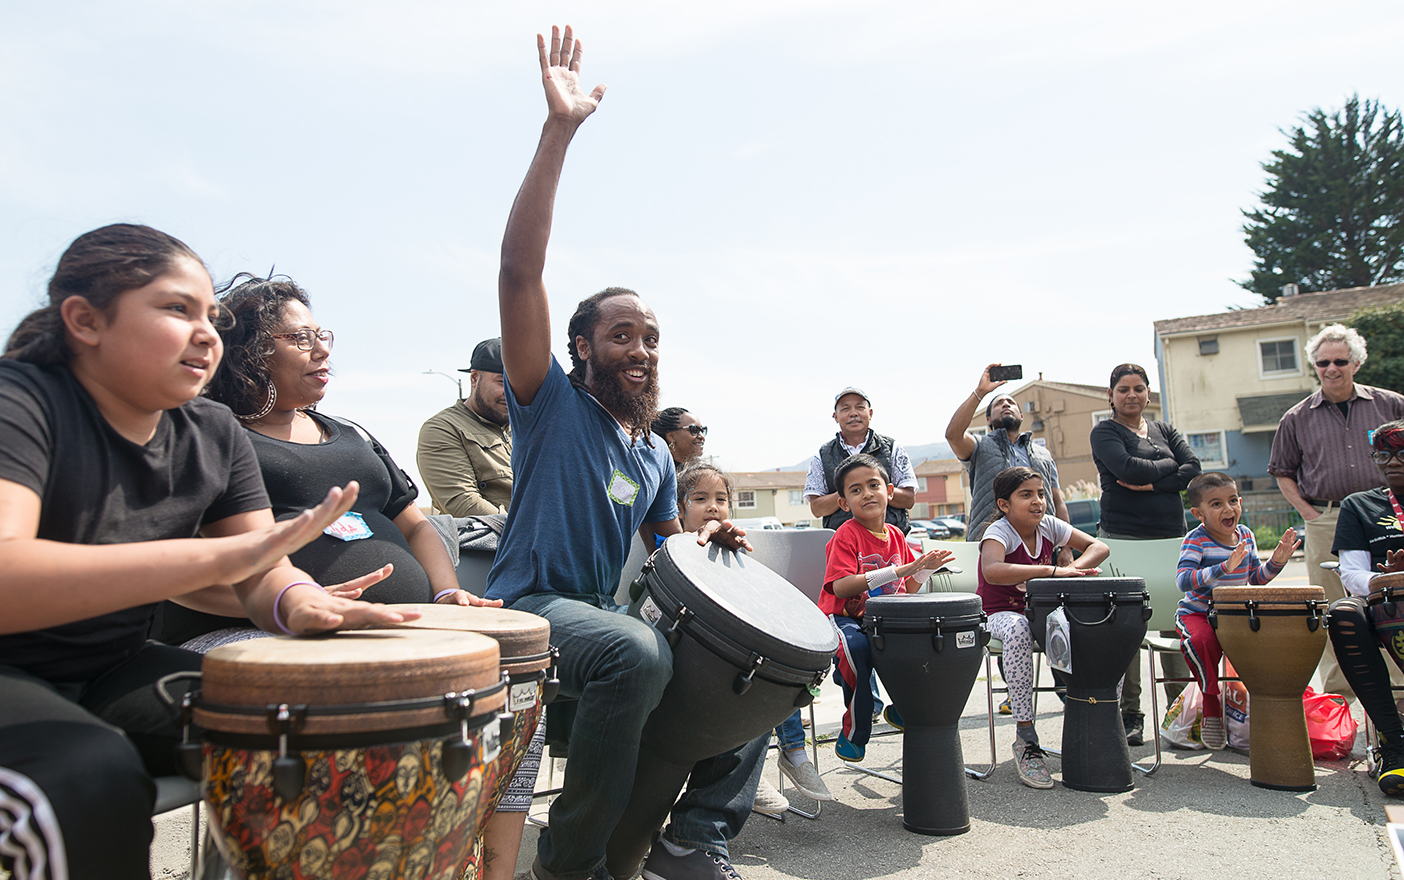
683,433
1144,465
276,369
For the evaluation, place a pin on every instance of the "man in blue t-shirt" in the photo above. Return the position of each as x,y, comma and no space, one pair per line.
587,478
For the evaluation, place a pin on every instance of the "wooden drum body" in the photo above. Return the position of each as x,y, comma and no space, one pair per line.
354,755
927,647
1274,636
528,661
747,648
1106,625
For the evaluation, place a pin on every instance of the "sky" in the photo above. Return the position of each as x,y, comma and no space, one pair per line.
810,195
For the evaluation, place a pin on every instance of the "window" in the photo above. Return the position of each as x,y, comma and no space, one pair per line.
1277,357
1209,449
1100,416
921,485
746,499
796,497
1208,345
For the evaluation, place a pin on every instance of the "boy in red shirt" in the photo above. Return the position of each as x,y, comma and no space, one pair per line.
866,557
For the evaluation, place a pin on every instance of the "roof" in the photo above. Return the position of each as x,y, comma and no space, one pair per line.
769,479
939,466
1320,306
1099,391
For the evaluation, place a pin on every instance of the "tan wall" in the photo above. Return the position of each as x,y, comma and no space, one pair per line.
1204,389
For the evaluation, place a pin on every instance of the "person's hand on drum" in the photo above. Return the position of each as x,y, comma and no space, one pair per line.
1289,544
722,533
305,608
1394,561
1068,571
463,597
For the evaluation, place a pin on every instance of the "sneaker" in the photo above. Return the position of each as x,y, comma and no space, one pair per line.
1028,761
805,778
1004,708
1211,732
891,717
847,751
1135,729
1390,769
696,865
769,801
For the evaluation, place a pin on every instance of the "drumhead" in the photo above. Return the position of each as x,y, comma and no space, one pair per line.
351,681
1240,596
523,639
1085,590
740,600
918,612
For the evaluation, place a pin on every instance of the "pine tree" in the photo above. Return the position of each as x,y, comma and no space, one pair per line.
1333,214
1383,329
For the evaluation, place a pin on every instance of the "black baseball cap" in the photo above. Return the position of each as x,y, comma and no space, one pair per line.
487,357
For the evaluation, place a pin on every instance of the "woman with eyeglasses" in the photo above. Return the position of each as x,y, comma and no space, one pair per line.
1144,465
276,369
1369,542
683,433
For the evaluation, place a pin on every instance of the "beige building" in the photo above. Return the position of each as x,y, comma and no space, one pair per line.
1227,378
773,493
1061,415
943,488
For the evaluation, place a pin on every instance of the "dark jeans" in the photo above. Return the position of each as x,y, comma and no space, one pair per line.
76,761
720,794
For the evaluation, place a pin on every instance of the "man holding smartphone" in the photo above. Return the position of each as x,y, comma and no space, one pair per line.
1003,446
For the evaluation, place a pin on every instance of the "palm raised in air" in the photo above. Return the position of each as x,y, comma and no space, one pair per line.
560,75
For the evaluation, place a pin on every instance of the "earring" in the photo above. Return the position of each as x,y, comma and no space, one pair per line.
267,407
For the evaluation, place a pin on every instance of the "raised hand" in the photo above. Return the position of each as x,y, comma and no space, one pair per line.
1236,558
986,384
1287,546
932,560
560,75
255,552
353,588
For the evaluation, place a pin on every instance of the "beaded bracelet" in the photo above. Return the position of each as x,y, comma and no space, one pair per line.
279,600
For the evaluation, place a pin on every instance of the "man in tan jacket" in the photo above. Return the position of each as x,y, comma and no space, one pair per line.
465,451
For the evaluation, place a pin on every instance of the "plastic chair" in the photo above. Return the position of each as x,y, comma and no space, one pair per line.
798,556
958,575
1155,561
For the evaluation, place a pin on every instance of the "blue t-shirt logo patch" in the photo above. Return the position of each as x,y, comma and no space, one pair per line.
622,490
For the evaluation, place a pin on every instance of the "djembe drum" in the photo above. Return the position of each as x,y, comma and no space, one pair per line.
747,648
1274,636
352,755
927,647
527,660
1106,625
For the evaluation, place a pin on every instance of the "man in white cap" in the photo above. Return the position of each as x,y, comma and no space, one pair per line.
853,412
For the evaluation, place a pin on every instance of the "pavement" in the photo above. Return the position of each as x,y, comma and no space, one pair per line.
1197,817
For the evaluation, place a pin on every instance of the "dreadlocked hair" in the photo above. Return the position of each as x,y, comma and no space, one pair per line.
668,420
582,323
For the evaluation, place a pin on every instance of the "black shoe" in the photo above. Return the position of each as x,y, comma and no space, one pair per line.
1135,729
1389,770
696,865
539,872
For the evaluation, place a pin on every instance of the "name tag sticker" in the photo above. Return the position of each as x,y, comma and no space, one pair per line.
521,697
649,611
965,640
350,527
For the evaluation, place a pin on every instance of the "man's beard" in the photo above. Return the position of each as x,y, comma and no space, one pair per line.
1008,422
485,410
635,409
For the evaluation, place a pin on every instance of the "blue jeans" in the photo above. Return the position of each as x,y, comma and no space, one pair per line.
617,667
791,732
720,794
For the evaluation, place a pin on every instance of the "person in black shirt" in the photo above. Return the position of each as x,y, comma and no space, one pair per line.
109,468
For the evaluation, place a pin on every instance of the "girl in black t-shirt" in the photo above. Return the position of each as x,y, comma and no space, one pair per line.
109,468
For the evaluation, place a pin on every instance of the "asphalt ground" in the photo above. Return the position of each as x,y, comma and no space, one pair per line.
1197,817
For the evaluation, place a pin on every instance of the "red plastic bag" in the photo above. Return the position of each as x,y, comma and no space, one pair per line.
1329,724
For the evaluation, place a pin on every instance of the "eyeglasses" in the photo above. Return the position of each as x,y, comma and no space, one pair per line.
1382,457
1326,362
305,340
697,430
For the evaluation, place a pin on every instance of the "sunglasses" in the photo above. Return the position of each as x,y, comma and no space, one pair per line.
697,430
1326,362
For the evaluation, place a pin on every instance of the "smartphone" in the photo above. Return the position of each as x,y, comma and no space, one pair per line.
1005,372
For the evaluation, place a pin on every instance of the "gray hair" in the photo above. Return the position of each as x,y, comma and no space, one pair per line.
1338,333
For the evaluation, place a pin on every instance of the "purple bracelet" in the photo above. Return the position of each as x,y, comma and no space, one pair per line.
278,601
442,593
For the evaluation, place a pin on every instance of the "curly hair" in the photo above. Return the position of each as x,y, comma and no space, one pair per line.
241,383
99,266
1338,333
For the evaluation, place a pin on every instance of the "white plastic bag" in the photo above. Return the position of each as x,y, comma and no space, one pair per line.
1181,725
1058,641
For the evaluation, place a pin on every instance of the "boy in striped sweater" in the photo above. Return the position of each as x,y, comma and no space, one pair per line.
1219,552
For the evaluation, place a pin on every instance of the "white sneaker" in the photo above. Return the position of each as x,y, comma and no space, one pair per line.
1211,732
769,801
805,778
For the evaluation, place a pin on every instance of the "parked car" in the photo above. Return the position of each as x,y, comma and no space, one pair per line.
1084,514
955,526
766,523
928,528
